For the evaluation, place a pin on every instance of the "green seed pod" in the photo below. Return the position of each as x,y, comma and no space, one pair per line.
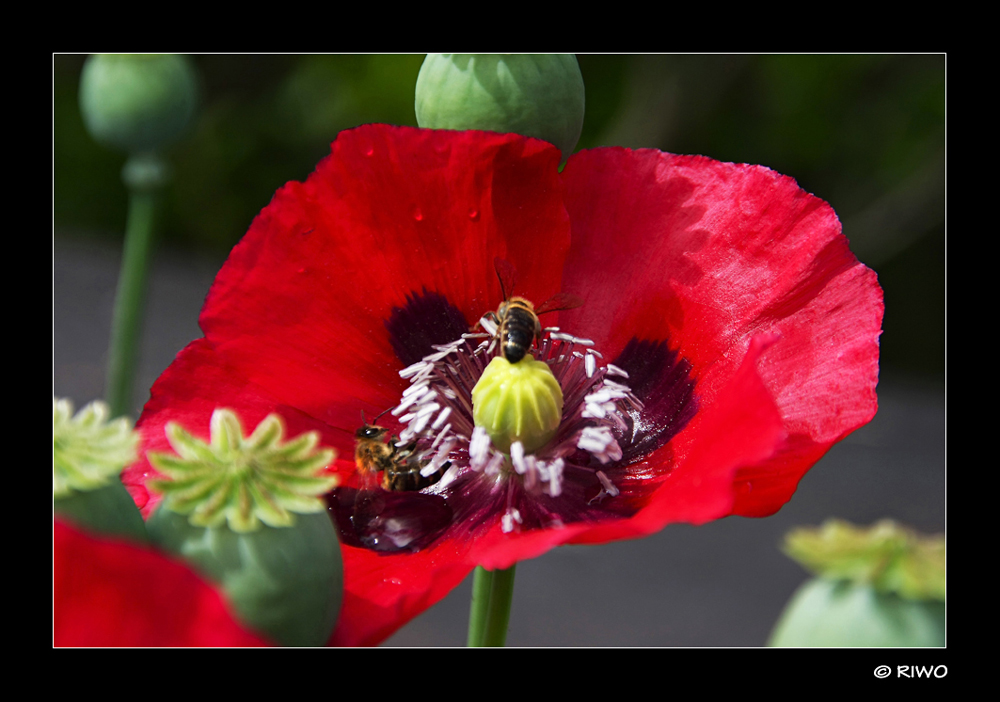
247,512
285,582
882,585
137,102
844,614
538,95
518,402
88,454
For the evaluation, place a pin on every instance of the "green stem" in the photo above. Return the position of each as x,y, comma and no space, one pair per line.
482,585
126,322
501,595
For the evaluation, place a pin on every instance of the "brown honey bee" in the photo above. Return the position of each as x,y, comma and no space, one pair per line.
399,466
517,318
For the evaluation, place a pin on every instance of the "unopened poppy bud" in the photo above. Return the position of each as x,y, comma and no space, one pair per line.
88,453
518,402
137,102
881,586
248,512
538,95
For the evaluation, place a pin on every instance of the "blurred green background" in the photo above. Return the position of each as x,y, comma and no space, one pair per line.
863,132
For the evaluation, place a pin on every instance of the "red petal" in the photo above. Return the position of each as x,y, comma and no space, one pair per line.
383,592
708,255
114,593
192,387
300,306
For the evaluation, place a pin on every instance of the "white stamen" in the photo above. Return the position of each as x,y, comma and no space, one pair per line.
418,388
495,462
509,518
590,363
407,401
435,357
479,446
616,386
615,370
429,408
450,346
441,418
609,487
574,339
600,442
551,329
439,459
412,370
424,416
441,434
517,457
554,477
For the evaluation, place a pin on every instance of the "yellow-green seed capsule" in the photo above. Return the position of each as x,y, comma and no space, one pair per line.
518,402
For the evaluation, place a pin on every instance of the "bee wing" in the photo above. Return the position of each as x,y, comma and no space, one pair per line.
507,275
560,301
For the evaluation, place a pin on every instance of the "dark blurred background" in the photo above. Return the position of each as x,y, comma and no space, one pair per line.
863,132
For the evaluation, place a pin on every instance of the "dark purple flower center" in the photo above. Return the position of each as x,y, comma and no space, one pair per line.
614,416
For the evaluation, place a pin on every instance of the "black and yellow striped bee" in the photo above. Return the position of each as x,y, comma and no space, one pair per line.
517,318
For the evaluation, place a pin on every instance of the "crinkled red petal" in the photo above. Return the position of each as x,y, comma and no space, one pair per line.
109,592
709,255
300,307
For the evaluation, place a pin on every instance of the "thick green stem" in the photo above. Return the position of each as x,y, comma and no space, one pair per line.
501,595
482,585
126,324
492,593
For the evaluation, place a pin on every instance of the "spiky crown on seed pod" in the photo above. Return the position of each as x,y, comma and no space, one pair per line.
243,481
87,449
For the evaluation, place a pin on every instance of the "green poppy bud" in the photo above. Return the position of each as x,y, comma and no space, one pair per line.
538,95
137,102
285,582
518,402
88,454
843,614
877,586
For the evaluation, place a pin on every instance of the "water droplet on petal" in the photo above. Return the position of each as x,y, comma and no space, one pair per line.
473,213
369,151
302,270
417,214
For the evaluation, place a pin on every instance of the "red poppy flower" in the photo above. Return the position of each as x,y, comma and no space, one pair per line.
109,592
736,339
